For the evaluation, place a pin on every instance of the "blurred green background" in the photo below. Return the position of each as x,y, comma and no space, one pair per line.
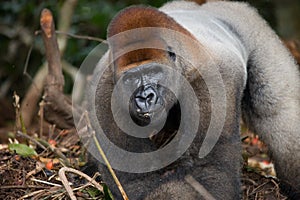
19,19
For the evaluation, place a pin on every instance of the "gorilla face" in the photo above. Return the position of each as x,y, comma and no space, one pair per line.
150,99
145,103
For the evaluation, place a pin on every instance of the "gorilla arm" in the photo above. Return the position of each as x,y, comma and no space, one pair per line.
271,103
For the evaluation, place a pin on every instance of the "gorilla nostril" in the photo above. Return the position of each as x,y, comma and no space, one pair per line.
146,99
150,98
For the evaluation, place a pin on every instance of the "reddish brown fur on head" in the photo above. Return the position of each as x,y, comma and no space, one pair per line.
140,17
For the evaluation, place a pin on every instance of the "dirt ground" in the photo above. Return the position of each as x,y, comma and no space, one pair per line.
37,177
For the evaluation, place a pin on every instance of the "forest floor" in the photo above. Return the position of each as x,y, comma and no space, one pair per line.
31,171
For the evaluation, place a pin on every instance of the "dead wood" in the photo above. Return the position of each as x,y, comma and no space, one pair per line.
58,107
29,104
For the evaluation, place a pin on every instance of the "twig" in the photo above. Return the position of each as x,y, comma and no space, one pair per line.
53,149
19,119
33,95
87,184
113,174
31,139
84,37
41,114
31,194
22,187
39,167
250,180
51,131
64,180
258,187
26,63
277,188
63,158
45,182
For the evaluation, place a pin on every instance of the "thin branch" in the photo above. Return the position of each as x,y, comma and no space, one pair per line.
64,180
23,187
26,196
57,152
26,63
100,150
31,139
33,95
39,167
45,182
84,37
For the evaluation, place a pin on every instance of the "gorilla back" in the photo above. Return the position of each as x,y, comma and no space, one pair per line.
150,75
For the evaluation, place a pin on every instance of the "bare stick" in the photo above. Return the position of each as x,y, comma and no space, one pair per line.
45,182
33,95
99,148
26,196
41,114
55,76
58,107
112,172
19,133
64,180
84,37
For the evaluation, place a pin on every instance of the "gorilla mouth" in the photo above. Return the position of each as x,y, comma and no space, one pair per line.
146,104
155,109
145,118
144,115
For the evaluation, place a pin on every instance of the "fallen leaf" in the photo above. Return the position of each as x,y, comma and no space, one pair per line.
22,149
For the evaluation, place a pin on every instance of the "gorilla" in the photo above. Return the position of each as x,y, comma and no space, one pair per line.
177,81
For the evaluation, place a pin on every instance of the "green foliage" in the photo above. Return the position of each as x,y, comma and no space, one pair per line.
107,193
93,192
22,149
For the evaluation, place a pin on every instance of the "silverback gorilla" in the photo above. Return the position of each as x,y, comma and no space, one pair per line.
177,73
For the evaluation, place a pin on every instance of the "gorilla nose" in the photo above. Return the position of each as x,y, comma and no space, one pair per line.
146,99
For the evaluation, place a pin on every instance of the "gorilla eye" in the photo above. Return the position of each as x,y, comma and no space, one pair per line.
171,54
